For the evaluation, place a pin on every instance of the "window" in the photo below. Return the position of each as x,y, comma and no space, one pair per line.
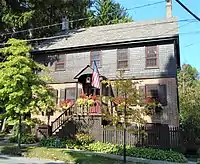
156,91
67,94
70,93
122,58
95,56
60,62
151,91
151,56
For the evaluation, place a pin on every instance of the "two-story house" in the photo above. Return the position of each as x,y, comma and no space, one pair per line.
146,50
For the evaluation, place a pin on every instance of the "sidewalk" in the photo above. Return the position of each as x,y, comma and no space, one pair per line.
5,159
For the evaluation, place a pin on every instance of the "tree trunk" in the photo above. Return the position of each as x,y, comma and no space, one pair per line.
4,124
19,131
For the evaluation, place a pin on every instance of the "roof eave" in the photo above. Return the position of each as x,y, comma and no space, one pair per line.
105,45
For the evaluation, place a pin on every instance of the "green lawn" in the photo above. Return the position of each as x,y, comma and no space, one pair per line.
68,156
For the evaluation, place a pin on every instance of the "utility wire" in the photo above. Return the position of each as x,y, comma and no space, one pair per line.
134,26
62,36
188,10
77,20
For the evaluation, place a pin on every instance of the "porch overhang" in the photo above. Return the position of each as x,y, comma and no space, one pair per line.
85,71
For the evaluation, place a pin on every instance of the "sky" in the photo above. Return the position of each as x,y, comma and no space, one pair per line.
189,43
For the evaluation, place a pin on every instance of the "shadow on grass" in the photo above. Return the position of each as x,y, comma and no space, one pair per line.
87,158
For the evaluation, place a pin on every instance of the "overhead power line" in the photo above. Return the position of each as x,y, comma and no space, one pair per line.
136,38
135,26
188,10
80,19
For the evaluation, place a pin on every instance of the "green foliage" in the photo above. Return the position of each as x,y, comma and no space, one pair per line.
154,154
24,129
25,139
11,150
128,98
18,15
51,142
84,139
27,14
108,12
17,20
22,90
79,142
189,96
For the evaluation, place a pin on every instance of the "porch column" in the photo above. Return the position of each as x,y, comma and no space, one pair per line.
76,90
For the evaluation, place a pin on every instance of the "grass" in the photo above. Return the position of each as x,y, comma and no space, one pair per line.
68,156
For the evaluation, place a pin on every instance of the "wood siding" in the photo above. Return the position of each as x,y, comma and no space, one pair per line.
76,61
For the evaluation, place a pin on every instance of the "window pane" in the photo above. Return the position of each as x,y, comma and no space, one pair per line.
152,93
122,54
152,90
122,64
98,63
151,62
70,93
60,66
122,58
96,56
152,51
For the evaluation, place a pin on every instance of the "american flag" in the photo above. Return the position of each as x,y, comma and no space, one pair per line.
95,76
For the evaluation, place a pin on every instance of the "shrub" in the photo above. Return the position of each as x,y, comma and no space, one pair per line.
51,142
25,139
11,150
84,139
148,153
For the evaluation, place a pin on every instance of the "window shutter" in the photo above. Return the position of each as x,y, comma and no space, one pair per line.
142,91
163,94
62,95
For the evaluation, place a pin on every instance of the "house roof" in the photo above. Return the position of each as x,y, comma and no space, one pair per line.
117,33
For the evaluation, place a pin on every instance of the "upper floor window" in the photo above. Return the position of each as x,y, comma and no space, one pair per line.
151,57
60,62
95,56
122,58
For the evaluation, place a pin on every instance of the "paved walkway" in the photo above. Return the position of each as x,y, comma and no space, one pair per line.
4,159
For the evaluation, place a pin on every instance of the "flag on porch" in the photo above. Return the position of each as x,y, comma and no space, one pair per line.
95,76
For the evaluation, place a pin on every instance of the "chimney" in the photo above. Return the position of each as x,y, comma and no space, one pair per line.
65,24
169,8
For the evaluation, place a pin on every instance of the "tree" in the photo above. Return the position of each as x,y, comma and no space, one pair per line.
189,89
108,12
128,107
22,89
24,14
